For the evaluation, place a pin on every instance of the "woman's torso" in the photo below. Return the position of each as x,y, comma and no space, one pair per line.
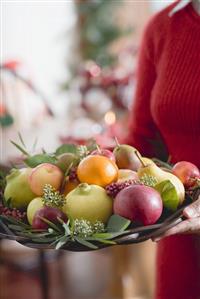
175,101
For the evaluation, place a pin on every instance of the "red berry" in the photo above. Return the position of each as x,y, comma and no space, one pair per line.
73,174
114,188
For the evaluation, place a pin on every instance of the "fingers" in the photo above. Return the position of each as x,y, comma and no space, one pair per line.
190,226
192,210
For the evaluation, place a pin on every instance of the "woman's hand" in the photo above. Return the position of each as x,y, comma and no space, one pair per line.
189,226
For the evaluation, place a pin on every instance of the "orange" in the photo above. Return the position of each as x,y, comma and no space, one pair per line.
97,170
70,185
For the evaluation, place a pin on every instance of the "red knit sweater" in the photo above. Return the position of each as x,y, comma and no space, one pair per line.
168,92
167,107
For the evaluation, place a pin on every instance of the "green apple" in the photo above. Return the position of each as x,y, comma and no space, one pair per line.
35,205
88,202
17,188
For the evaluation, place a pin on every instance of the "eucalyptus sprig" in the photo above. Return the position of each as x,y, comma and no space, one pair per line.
74,232
148,180
52,198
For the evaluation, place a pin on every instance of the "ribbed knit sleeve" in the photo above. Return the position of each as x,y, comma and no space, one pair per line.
143,133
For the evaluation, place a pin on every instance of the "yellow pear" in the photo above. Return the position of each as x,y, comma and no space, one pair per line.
17,188
161,175
147,160
35,205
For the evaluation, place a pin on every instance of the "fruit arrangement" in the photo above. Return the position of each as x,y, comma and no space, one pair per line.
85,197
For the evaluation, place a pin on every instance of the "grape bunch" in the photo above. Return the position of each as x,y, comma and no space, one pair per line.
73,174
113,189
15,213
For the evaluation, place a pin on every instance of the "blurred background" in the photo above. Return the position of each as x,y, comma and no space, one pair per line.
68,73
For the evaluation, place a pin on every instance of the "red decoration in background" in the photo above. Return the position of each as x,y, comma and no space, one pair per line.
109,80
11,64
2,110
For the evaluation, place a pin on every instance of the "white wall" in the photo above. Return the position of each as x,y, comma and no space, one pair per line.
157,5
36,33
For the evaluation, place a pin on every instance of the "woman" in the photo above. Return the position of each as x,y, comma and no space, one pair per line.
167,112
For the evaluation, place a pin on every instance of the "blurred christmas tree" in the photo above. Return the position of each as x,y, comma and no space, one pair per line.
98,29
102,80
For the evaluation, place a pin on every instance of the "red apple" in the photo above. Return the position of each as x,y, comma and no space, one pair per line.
104,152
45,173
49,213
139,203
187,172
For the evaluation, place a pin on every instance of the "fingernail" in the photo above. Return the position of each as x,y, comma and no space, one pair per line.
189,212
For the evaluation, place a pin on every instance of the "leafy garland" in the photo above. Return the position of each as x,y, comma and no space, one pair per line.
58,236
74,231
80,231
79,152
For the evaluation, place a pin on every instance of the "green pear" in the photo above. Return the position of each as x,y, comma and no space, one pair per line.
35,205
161,175
126,157
66,160
17,188
88,202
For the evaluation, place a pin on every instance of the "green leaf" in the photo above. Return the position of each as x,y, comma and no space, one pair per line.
15,221
106,241
62,241
91,145
70,223
7,202
44,240
108,236
35,160
16,227
66,228
68,170
51,224
51,230
162,164
21,139
66,148
20,148
34,144
169,195
103,235
86,243
36,236
117,223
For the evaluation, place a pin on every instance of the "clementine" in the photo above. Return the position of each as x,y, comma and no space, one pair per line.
70,185
97,170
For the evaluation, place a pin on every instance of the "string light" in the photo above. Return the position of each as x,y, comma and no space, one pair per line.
110,118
